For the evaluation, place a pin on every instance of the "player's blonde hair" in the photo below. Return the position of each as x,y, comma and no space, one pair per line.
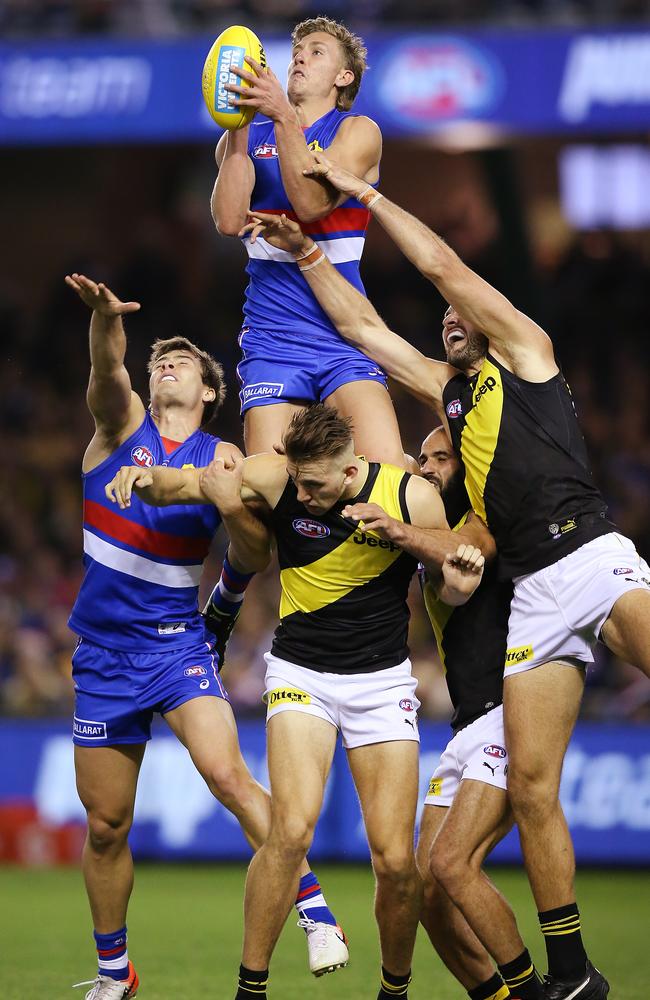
316,433
211,370
354,53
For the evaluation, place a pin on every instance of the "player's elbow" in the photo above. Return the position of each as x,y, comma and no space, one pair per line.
309,210
227,226
436,267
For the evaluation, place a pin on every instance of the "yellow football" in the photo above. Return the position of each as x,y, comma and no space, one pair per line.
229,50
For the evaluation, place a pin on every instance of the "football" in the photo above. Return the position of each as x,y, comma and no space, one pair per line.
230,49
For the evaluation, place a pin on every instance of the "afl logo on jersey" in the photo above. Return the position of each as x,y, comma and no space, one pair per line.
310,529
265,152
454,409
493,750
142,456
407,705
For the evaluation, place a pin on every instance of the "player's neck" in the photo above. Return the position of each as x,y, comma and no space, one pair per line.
176,423
310,109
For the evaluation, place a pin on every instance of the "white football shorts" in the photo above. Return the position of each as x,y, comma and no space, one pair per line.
478,751
557,613
376,707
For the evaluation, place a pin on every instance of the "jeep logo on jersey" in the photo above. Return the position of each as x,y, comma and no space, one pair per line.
142,456
195,671
454,409
407,705
265,151
489,384
310,529
494,750
361,538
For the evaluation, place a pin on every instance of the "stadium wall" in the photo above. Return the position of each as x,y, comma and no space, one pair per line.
605,793
421,82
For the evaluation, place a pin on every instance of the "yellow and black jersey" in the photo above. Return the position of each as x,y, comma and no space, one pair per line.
343,607
471,638
526,466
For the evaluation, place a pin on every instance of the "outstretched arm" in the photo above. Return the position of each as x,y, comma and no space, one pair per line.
116,409
159,486
352,313
520,343
357,144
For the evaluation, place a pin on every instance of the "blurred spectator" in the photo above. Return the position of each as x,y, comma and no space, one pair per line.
59,18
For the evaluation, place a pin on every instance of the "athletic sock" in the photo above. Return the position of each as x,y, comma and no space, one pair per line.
228,595
310,901
521,978
224,604
492,989
252,984
393,986
112,956
567,957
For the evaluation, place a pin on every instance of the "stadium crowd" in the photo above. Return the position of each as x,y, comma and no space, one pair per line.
171,17
594,295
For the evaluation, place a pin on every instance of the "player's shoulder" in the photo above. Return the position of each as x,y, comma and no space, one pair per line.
424,504
226,449
361,126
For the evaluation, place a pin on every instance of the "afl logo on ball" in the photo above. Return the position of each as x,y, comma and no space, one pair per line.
142,456
310,529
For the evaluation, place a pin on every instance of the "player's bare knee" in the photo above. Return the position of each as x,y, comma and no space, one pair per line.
107,831
532,792
393,863
292,835
234,786
450,865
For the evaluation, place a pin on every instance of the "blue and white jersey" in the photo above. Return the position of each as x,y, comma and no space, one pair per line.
278,297
143,564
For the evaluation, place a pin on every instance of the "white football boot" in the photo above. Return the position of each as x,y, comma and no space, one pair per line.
327,946
105,988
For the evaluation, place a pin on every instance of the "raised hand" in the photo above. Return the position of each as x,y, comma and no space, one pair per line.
120,488
338,177
264,91
98,297
278,230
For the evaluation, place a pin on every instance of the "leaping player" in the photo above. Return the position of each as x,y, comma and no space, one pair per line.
292,353
142,644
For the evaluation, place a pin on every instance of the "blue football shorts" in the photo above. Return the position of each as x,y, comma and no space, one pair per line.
117,693
307,366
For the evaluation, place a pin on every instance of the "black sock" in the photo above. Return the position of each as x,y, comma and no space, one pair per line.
521,978
393,986
567,957
252,984
493,989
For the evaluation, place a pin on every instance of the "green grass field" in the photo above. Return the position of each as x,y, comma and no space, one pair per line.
185,935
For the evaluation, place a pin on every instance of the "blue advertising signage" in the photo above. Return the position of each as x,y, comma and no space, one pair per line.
605,794
86,91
